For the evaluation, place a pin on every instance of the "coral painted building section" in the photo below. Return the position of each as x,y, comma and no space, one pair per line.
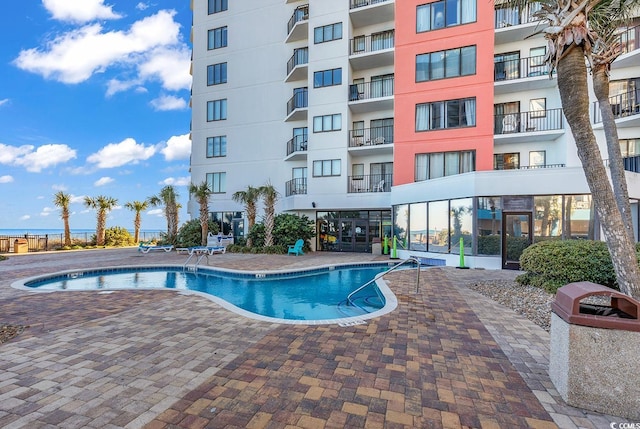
444,85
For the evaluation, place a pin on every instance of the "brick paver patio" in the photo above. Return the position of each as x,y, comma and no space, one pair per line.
445,358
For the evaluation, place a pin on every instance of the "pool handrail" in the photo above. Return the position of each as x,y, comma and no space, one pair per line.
380,275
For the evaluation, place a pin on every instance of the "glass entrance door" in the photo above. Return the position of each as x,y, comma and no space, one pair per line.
517,230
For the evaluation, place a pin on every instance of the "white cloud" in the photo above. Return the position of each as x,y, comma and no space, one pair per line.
170,65
6,179
4,101
176,181
118,154
142,6
75,56
178,147
157,212
168,102
77,199
47,211
47,155
79,10
114,86
59,187
103,181
25,217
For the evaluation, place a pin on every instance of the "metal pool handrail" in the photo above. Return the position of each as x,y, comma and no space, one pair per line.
412,258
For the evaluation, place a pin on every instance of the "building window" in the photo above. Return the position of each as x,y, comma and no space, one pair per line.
440,164
629,147
216,146
217,182
327,167
217,38
327,123
216,74
327,33
357,171
327,78
445,13
538,107
506,161
537,158
216,110
216,6
446,114
449,63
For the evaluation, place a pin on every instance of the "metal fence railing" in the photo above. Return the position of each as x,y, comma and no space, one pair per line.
45,242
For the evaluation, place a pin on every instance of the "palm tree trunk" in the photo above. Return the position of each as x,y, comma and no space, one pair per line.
100,228
618,177
67,231
572,85
136,225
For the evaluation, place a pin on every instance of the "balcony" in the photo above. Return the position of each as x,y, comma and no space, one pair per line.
629,40
298,25
370,183
514,25
531,167
521,74
370,12
625,107
372,141
297,148
296,187
524,127
297,68
371,96
375,50
297,105
632,163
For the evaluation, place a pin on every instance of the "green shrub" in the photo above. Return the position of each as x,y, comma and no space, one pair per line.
3,258
288,228
552,264
190,233
118,236
489,244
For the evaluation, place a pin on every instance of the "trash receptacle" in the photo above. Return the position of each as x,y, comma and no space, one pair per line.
594,349
20,245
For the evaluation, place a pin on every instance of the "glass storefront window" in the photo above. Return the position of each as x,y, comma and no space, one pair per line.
461,225
548,217
489,225
400,224
418,226
438,227
578,217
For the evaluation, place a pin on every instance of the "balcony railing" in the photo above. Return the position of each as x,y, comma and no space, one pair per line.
297,144
374,89
520,68
622,105
298,101
629,39
372,43
296,187
528,122
530,167
361,3
299,57
371,136
507,17
370,183
300,14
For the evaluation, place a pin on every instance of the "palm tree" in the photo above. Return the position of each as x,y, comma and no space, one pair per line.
168,197
103,205
570,42
202,192
249,198
62,200
605,20
138,207
270,196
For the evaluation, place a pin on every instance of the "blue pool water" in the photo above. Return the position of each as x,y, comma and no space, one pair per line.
314,295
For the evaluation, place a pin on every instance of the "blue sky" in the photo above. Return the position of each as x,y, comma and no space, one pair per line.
94,100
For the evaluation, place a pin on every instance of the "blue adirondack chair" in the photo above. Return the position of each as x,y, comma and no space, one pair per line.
296,249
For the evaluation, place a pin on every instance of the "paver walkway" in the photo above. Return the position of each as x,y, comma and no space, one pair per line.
445,358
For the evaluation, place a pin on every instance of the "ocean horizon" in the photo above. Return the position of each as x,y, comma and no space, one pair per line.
59,231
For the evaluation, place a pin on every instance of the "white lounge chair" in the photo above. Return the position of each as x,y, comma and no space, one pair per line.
146,249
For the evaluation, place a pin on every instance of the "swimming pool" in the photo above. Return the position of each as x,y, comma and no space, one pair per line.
307,297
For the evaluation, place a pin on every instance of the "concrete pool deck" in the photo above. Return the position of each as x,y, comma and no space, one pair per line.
447,357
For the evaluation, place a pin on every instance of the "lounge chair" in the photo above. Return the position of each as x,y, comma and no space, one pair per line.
206,250
296,249
219,240
145,248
